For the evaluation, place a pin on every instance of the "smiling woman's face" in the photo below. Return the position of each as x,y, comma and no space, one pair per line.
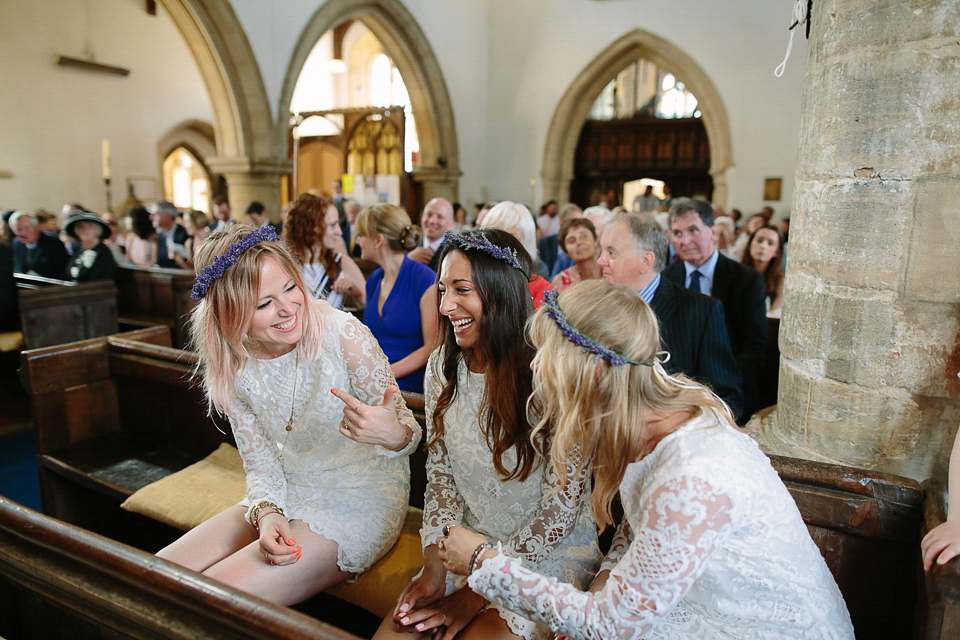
276,321
460,301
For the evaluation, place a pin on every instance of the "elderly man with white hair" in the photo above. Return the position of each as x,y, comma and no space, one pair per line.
34,251
437,219
517,220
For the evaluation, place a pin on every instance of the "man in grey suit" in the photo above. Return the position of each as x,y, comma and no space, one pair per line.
633,252
704,269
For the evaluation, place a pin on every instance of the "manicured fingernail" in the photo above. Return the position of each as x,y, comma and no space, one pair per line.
291,541
333,391
404,607
420,627
404,620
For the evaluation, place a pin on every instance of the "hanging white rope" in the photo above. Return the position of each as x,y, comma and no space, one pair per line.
799,17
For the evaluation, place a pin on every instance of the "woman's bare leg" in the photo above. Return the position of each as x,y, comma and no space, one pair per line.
315,571
211,541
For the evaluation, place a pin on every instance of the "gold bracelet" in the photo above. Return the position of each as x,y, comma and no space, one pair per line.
260,506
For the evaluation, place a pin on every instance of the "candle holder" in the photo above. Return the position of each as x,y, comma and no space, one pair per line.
106,185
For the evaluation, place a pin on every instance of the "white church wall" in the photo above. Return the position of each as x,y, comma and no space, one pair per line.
53,118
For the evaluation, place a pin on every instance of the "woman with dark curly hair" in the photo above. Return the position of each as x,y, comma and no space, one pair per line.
141,242
311,231
401,308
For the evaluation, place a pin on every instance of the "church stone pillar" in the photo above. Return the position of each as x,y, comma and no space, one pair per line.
869,338
249,181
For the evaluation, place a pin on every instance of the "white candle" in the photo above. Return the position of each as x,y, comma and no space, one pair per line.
106,159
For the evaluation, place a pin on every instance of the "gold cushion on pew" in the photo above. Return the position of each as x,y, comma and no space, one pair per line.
196,493
10,341
188,497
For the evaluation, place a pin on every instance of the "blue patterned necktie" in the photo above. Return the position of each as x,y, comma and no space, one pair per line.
695,281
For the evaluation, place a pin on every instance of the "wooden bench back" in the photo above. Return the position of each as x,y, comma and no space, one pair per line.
60,581
156,296
56,311
867,525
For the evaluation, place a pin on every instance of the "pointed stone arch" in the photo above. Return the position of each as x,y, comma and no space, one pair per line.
404,41
248,155
574,106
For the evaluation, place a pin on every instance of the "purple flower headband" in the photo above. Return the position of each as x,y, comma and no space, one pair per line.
266,233
575,336
478,241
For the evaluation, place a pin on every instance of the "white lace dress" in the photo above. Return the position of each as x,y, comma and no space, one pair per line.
554,534
711,546
354,494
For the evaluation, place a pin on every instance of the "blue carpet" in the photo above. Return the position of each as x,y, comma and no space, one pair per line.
18,470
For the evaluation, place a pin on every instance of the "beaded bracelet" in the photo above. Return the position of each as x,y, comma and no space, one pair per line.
476,554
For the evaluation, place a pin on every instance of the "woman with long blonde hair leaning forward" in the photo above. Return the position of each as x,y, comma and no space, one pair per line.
327,475
711,544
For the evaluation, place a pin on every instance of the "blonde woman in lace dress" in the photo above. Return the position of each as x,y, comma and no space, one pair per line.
711,544
483,471
313,406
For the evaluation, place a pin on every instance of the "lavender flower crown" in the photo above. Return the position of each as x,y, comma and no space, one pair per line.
211,272
477,241
575,336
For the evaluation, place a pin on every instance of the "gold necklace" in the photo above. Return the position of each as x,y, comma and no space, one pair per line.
293,399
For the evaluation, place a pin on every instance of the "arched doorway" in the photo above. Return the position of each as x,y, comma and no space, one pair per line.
574,108
437,169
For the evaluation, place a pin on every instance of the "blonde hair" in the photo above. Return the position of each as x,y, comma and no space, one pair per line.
220,321
593,409
391,221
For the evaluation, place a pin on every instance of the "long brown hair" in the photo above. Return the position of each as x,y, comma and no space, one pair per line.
596,410
772,273
304,233
504,350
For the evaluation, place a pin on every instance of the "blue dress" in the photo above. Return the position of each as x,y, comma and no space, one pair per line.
398,330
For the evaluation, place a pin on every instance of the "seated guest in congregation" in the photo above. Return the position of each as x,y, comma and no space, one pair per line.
313,226
483,469
141,242
516,219
198,226
401,305
36,252
765,255
327,475
578,237
437,219
707,548
94,260
633,252
170,235
257,215
704,269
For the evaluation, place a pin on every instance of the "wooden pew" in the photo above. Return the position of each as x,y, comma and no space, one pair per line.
58,311
153,296
58,581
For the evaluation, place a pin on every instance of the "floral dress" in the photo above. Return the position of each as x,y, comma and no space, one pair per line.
353,494
711,546
552,532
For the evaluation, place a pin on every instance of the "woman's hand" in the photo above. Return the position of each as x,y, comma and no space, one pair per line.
277,543
421,592
457,547
448,616
941,544
373,424
345,287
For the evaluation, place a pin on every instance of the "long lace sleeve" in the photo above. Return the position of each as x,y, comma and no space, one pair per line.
556,515
442,503
683,522
265,479
370,377
621,543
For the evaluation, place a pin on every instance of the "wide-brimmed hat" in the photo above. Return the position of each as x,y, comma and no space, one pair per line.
81,216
